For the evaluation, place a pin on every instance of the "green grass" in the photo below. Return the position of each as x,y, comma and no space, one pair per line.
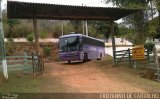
18,83
105,62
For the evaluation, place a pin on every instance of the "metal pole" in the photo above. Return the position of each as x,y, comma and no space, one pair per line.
2,47
86,28
83,27
62,28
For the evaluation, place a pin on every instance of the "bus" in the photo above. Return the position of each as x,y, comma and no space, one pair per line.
78,47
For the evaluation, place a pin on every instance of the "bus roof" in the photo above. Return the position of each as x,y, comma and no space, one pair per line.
70,35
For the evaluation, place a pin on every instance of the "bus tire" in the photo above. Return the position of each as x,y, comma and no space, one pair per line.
85,57
100,56
69,62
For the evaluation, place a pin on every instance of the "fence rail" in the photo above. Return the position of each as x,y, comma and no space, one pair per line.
29,64
127,54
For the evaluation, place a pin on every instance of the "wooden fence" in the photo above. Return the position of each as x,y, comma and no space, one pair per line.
127,54
38,64
29,64
156,66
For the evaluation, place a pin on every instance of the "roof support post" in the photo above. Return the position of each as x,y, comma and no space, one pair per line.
2,47
36,34
113,40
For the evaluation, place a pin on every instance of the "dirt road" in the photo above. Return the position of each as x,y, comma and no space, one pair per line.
89,77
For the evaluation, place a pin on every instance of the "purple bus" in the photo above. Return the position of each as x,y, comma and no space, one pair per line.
78,47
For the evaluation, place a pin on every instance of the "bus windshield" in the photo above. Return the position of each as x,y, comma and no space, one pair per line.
69,43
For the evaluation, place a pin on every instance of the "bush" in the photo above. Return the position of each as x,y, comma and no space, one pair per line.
43,34
149,46
10,47
47,51
30,37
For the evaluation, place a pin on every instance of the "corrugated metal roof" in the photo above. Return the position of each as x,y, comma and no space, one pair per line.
30,10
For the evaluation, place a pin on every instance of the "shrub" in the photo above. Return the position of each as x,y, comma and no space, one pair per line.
10,47
149,46
43,34
47,51
30,37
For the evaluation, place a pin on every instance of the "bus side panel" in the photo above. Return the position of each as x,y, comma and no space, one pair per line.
93,52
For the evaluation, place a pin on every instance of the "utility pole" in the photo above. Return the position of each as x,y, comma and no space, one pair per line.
2,47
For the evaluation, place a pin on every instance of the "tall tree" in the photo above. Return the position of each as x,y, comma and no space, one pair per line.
157,2
11,23
138,19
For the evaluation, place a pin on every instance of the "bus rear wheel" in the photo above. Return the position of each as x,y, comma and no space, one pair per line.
100,56
69,62
85,57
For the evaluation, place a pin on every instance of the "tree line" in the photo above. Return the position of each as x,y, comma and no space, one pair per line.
143,24
136,27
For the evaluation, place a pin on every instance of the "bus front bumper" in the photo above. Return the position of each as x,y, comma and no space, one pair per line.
69,57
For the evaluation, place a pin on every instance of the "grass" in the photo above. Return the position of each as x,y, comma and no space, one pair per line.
18,83
127,74
105,62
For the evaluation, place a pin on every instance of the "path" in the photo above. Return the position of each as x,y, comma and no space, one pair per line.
88,77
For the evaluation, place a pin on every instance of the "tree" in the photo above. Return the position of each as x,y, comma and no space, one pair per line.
157,2
77,25
104,28
11,24
138,19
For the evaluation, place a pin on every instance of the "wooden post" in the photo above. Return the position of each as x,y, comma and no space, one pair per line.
148,55
33,64
25,61
129,57
135,64
36,34
155,57
113,40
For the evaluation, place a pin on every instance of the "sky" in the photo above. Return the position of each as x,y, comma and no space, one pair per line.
98,3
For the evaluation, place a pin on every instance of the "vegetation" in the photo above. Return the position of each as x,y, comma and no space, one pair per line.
137,23
149,46
43,34
10,47
30,37
47,51
136,28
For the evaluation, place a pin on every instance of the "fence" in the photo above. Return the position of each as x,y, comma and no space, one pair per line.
156,66
38,64
127,54
29,64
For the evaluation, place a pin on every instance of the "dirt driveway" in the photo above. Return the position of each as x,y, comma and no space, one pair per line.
91,78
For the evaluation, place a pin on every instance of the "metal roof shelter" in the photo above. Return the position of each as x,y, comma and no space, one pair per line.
28,10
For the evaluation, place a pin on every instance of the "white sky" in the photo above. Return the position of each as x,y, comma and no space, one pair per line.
97,3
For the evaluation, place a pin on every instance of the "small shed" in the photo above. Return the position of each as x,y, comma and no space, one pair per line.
29,10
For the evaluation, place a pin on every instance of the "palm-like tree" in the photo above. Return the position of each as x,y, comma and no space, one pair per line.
10,23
